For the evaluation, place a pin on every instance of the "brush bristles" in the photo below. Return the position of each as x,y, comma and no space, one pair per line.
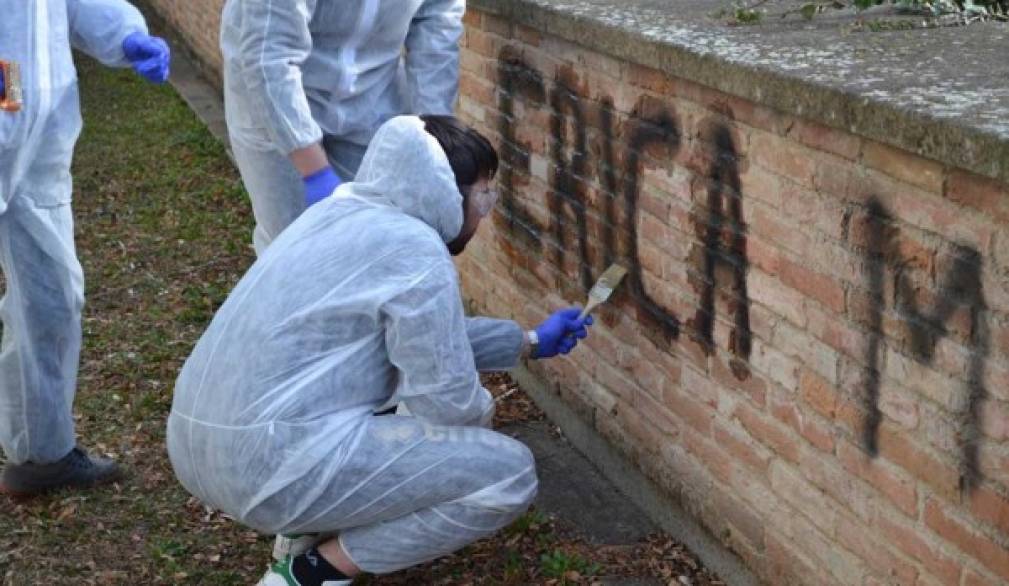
607,282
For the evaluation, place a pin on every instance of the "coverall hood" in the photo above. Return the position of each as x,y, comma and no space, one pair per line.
407,168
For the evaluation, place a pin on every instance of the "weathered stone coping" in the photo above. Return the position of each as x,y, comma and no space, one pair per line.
942,93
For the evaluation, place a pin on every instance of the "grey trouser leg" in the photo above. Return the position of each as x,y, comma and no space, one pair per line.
274,185
409,492
41,313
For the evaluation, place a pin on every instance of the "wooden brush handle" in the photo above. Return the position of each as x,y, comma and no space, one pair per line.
588,309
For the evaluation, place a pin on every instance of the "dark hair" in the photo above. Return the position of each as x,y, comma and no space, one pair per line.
470,154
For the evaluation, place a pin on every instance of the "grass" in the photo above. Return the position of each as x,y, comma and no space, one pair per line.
163,229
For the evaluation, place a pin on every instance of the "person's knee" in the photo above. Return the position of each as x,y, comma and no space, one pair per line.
518,480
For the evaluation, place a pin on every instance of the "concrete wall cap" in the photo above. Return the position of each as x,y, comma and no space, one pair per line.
940,92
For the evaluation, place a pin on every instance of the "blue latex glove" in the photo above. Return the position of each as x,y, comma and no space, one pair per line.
560,333
150,56
1,81
320,185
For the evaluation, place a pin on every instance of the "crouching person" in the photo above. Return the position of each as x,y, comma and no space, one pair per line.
354,307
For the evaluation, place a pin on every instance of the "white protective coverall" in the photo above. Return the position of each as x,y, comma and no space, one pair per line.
356,302
297,72
41,308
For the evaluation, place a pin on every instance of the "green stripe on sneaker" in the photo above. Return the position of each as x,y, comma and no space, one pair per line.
283,569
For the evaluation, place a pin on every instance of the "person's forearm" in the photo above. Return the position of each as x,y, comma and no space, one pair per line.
309,160
497,344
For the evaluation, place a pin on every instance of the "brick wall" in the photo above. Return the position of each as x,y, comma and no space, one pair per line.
199,23
811,350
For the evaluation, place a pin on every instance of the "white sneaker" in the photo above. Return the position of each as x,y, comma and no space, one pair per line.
285,545
280,574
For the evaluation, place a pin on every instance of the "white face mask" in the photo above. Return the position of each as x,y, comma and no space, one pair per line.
484,200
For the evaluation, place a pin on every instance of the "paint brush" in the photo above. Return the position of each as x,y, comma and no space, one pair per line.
604,287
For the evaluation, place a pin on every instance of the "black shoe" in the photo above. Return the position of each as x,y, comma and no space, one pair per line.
75,470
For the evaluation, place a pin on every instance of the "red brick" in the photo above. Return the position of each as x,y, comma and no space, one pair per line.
822,288
899,447
650,79
839,180
741,450
693,352
837,565
985,195
741,110
990,554
995,420
824,138
665,361
931,213
753,386
769,433
915,253
700,388
860,540
928,580
614,381
819,215
785,564
819,394
904,166
773,294
852,417
482,43
995,376
717,462
775,365
656,418
764,256
745,522
898,490
528,36
899,405
808,350
1000,334
476,89
772,226
688,410
836,332
974,578
952,358
631,431
991,507
805,498
654,205
850,493
472,18
652,230
818,435
759,184
497,25
472,62
783,156
912,540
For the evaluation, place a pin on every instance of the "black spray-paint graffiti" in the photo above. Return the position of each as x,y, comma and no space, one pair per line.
720,261
725,245
959,288
649,128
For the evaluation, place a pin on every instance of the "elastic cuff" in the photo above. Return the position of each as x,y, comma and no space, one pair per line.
346,552
327,170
